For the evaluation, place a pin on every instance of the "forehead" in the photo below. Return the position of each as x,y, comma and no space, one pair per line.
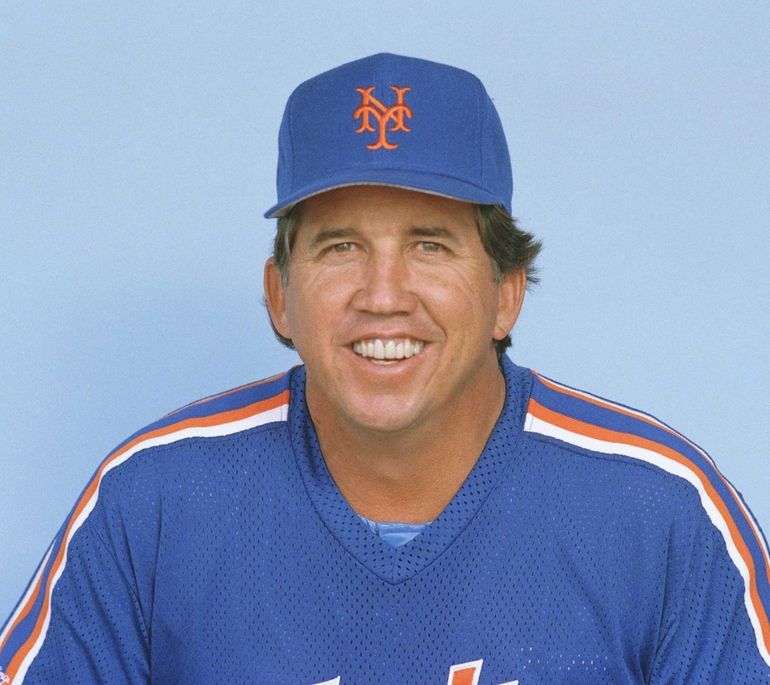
383,206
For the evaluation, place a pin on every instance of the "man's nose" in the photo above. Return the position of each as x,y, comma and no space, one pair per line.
385,285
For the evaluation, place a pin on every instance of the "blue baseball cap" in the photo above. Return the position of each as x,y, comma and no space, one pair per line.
394,121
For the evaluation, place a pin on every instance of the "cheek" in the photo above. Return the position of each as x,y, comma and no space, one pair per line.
468,298
314,305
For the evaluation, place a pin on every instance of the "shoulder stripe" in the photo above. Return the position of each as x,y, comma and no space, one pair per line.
226,393
29,599
652,421
38,597
593,423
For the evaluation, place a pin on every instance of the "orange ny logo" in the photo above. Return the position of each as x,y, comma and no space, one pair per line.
394,115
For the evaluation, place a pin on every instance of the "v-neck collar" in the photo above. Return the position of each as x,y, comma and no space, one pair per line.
394,565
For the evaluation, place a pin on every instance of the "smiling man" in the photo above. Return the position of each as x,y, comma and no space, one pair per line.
407,506
392,302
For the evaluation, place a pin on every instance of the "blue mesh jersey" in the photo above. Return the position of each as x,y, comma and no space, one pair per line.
589,544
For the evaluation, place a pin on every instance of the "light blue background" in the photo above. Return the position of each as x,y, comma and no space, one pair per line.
137,153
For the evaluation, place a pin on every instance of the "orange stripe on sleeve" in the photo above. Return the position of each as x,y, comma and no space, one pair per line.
606,435
222,418
605,404
25,610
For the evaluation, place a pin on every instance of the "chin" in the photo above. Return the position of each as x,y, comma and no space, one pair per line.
381,417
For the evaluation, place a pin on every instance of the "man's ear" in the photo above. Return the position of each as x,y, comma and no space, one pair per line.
510,296
275,298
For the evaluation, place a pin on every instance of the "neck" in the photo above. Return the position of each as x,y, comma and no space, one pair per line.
410,475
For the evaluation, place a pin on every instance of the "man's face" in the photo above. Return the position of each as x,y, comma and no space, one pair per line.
392,305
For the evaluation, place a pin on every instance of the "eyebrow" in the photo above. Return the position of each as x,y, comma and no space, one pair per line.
431,232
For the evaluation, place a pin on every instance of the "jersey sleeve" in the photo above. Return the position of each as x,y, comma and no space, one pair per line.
715,629
81,619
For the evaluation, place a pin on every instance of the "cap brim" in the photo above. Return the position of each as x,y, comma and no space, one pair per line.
424,182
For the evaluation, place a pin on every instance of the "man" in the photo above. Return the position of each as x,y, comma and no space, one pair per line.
409,506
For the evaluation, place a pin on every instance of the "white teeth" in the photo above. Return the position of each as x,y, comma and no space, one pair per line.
389,349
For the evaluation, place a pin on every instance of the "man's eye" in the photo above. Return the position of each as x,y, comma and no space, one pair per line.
428,246
342,247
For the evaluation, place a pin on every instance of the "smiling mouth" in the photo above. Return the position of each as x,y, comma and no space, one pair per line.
390,349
